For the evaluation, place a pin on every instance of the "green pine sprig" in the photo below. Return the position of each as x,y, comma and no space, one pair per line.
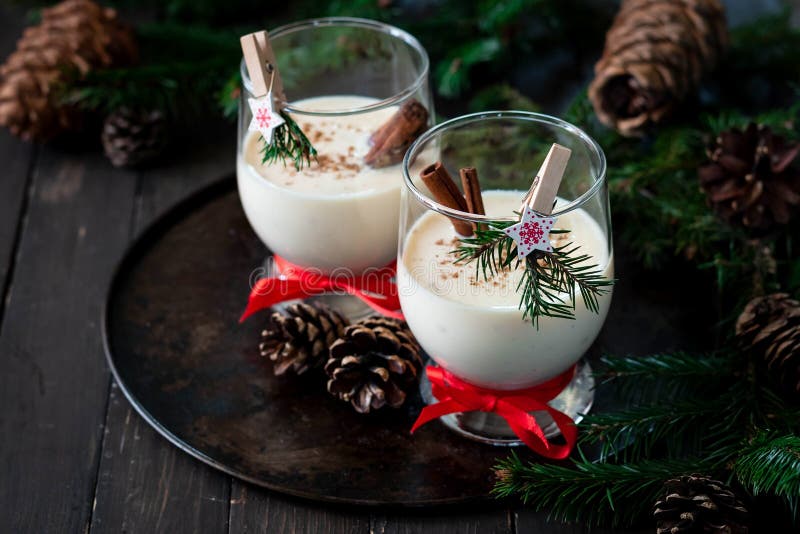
549,282
665,375
288,143
678,427
770,465
592,492
729,425
182,69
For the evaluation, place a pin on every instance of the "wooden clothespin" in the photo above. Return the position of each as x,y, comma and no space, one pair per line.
260,61
542,194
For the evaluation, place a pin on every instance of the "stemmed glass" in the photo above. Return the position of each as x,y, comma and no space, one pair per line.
343,78
473,327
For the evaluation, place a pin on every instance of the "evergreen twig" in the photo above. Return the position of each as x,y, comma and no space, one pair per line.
671,365
594,493
771,465
182,69
547,287
665,375
288,143
678,427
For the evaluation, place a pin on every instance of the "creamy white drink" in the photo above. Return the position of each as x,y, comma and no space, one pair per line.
473,327
336,213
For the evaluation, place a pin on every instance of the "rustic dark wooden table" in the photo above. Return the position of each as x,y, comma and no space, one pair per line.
74,455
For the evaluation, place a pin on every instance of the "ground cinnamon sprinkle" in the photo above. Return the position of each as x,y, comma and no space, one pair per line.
328,163
345,165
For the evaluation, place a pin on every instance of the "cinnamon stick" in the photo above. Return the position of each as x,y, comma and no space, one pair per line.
392,139
472,192
446,192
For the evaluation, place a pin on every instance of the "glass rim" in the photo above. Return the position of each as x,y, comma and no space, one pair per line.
351,22
434,205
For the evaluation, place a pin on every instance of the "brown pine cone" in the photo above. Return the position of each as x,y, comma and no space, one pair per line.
769,329
655,55
73,38
698,504
299,340
132,138
377,362
752,179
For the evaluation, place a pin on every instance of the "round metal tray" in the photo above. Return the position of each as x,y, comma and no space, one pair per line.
180,356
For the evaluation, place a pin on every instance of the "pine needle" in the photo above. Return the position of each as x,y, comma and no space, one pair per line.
771,465
593,493
670,375
548,285
678,427
288,143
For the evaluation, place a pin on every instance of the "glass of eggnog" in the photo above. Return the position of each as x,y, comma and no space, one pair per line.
473,324
343,78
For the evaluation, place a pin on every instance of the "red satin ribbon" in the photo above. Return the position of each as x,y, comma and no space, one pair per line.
455,395
376,288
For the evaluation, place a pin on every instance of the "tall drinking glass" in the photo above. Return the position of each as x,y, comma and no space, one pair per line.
471,326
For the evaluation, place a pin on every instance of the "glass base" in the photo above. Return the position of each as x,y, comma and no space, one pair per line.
575,401
351,308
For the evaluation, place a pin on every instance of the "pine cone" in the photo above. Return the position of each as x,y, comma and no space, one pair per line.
752,179
73,38
299,340
697,504
769,329
655,55
132,138
377,362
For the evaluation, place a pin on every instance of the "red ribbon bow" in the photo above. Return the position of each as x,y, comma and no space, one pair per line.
376,288
455,395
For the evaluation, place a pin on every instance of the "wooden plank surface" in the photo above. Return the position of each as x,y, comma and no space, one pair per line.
16,157
54,384
256,510
445,521
530,522
145,483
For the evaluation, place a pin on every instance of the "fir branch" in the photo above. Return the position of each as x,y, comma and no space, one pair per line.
547,287
288,142
594,493
179,89
643,378
490,248
498,15
771,465
182,70
678,427
673,365
782,121
574,270
775,411
453,74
